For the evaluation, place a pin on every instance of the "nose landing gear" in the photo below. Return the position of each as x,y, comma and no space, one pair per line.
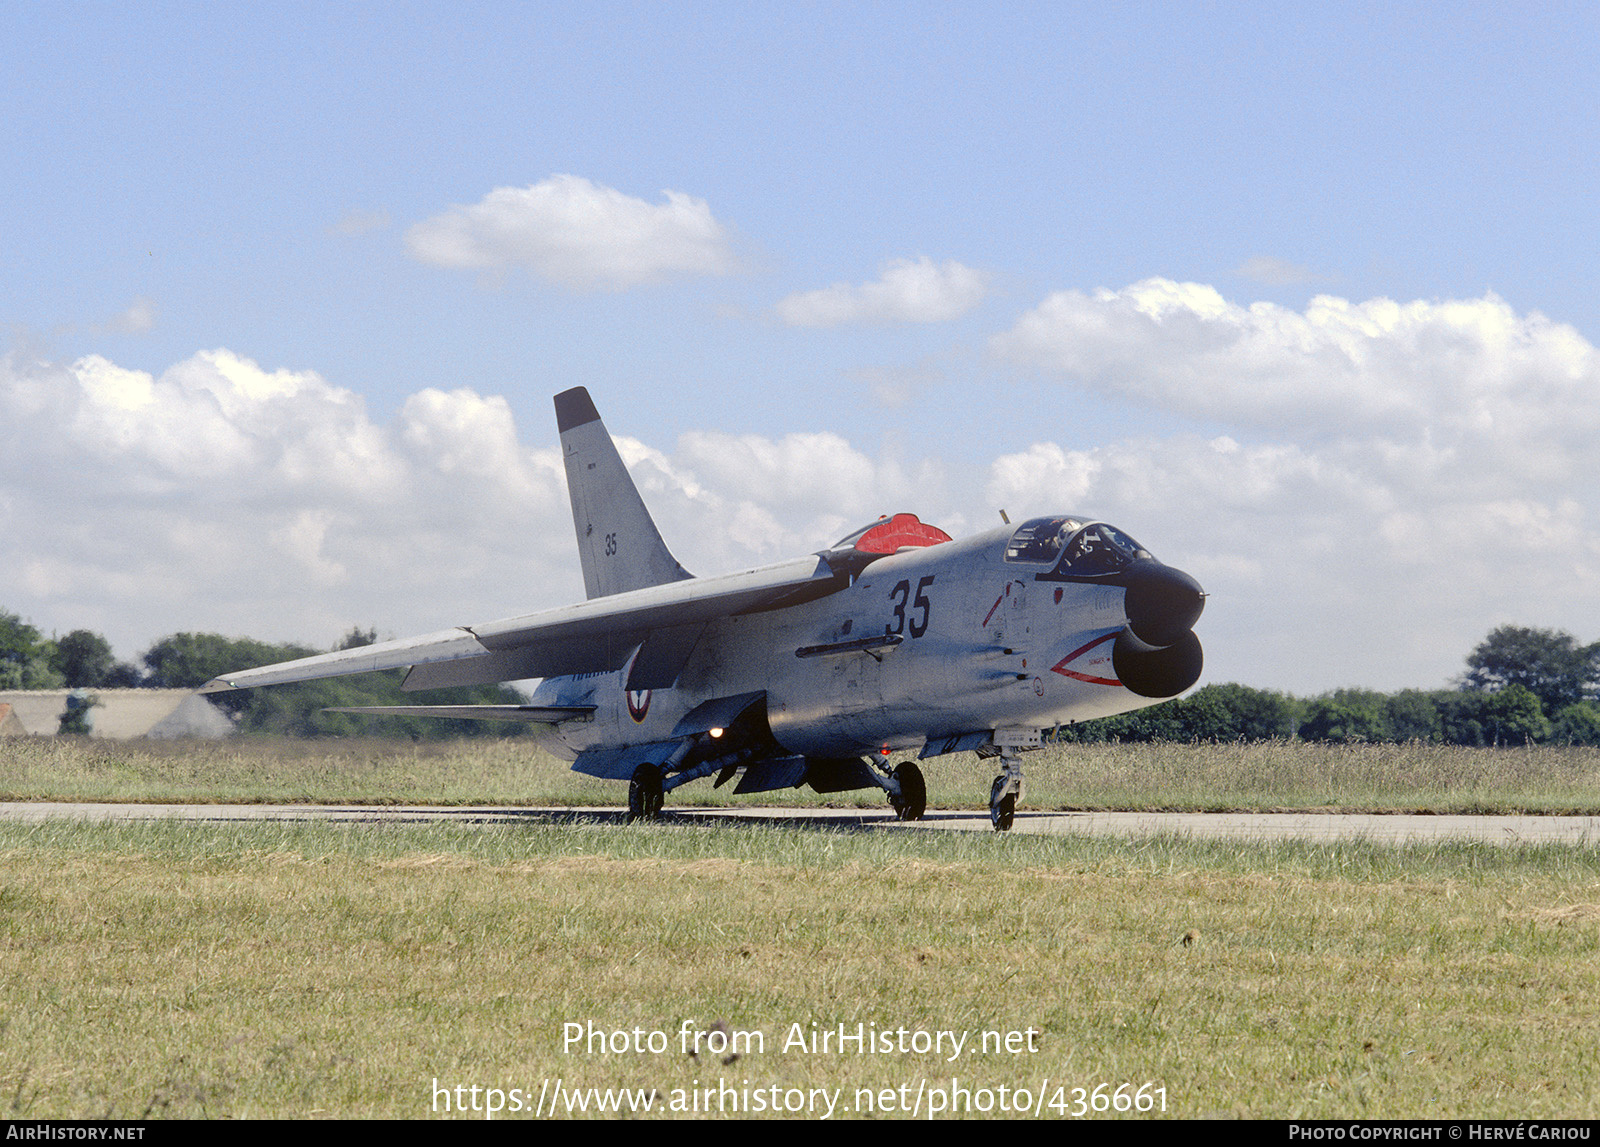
1007,787
1002,804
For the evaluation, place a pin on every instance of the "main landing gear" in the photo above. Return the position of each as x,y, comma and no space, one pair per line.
645,794
908,792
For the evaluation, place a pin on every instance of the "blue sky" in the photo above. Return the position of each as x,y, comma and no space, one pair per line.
941,258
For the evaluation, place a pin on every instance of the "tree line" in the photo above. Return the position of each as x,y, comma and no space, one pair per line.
84,660
1521,686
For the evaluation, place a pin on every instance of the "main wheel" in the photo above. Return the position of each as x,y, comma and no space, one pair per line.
913,799
644,794
1002,805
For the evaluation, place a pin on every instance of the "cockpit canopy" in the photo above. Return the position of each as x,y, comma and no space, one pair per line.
1077,547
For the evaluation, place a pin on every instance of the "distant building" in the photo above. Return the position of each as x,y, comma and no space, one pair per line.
121,713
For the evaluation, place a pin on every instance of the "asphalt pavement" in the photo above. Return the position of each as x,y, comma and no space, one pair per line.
1389,829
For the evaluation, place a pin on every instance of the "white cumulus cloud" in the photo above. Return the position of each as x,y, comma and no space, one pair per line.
906,291
223,496
578,234
1395,478
1366,489
219,495
1452,373
727,501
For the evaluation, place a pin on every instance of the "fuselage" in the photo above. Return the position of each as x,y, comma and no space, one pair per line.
928,643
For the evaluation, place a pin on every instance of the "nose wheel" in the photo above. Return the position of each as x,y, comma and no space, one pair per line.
1002,804
1005,790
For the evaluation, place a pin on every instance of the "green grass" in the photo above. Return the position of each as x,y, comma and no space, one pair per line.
290,970
1339,778
1278,775
293,970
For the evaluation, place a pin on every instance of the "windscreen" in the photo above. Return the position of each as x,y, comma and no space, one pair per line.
1041,539
1099,549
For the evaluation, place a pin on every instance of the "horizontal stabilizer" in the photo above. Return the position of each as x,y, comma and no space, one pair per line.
538,714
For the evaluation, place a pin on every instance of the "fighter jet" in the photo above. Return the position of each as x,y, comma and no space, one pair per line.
818,671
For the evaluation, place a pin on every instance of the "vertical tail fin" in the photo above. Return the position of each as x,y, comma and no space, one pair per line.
618,543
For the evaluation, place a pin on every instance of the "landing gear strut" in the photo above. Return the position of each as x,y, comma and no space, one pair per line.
645,796
1002,805
911,800
1005,790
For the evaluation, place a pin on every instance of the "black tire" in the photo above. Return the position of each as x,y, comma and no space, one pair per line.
645,797
913,799
1002,809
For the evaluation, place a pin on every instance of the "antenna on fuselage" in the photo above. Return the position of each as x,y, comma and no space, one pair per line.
1004,519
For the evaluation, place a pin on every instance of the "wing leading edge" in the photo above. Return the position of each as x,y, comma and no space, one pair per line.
595,636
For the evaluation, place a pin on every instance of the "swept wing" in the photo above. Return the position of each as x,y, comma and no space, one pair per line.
661,622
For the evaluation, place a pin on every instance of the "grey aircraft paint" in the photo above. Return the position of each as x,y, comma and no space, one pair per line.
815,670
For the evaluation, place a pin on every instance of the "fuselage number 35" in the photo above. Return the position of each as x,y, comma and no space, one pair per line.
900,596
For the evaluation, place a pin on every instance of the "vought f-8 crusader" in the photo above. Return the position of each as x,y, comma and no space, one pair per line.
816,671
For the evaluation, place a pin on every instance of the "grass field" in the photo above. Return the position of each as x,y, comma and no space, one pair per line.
1276,775
314,970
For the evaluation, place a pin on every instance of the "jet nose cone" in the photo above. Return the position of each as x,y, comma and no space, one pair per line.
1162,603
